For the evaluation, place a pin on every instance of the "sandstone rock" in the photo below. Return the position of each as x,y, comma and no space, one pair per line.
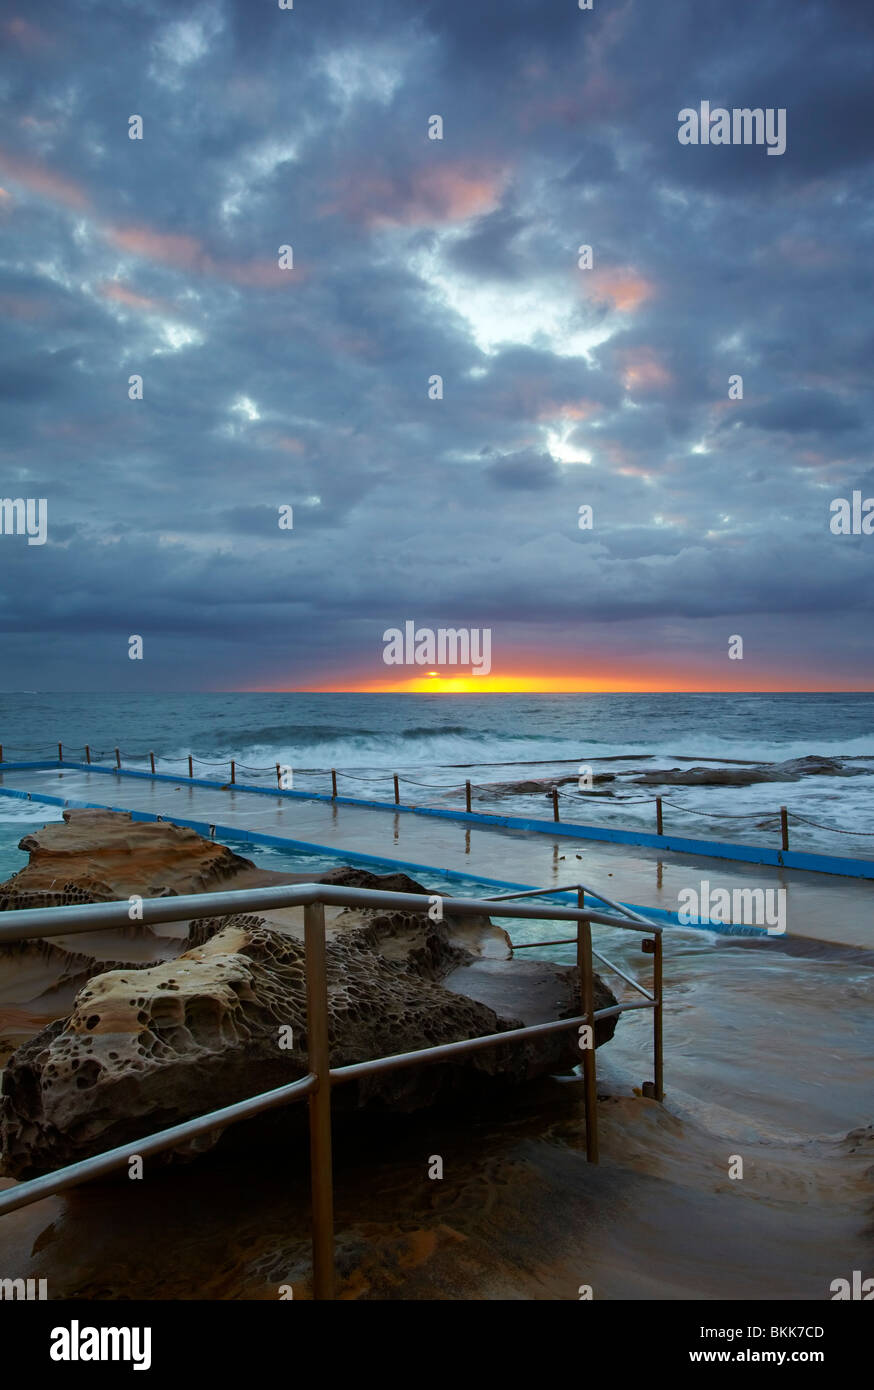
101,856
148,1047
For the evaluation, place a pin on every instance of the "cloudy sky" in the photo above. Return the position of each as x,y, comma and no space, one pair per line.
563,387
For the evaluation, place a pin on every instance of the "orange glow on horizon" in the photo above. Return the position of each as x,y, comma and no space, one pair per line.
613,683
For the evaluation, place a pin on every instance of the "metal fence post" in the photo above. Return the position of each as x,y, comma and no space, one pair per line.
322,1182
397,792
784,826
555,803
659,822
657,1048
587,1000
334,783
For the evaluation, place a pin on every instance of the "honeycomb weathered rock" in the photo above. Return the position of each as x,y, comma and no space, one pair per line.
145,1048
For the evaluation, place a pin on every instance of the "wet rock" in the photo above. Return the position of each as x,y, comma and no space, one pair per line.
225,1018
541,785
102,856
793,770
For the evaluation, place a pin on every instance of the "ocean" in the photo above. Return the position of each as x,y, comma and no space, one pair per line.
767,1041
511,748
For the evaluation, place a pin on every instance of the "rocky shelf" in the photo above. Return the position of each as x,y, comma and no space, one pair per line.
117,1034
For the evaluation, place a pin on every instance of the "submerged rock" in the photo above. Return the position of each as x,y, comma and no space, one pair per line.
793,770
225,1018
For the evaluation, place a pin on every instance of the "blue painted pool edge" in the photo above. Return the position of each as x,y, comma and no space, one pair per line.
224,832
711,849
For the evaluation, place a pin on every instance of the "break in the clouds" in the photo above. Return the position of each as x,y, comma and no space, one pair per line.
416,259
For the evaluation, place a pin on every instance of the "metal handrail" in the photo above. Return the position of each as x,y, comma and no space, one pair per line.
20,924
581,889
316,1085
585,952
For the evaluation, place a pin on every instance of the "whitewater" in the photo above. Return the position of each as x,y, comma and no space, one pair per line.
512,748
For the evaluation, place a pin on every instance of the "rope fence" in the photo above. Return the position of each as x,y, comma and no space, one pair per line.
283,771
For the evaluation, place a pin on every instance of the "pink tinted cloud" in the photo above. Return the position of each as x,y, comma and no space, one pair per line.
130,299
45,182
427,196
183,252
622,286
27,35
286,443
173,249
568,410
642,371
533,398
290,445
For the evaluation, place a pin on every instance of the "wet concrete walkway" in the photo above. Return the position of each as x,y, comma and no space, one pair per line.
818,906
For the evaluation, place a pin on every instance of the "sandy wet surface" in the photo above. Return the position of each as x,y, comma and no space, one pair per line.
766,1059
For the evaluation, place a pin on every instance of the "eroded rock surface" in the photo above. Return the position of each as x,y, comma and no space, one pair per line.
149,1045
101,856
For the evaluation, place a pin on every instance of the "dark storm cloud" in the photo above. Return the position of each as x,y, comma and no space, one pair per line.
525,471
415,259
488,250
801,412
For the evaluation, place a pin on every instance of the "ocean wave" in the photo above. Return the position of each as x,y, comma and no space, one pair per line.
329,745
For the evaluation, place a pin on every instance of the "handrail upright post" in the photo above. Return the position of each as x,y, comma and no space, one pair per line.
587,1000
657,1044
321,1177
